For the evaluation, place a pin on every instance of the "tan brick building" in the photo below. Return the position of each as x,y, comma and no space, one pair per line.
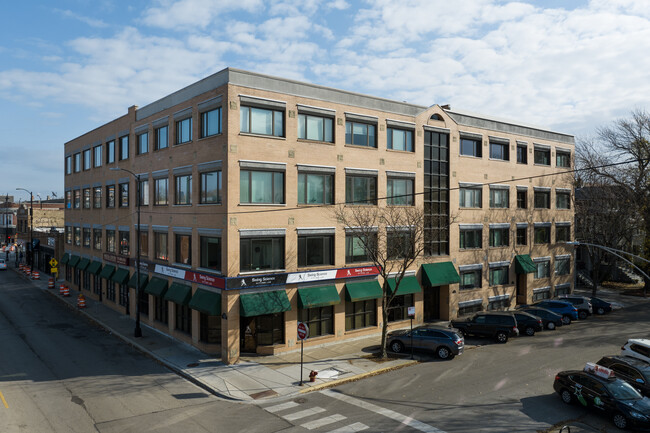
238,241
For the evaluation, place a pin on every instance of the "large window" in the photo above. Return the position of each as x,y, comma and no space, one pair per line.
360,134
400,139
87,159
315,128
269,329
68,199
77,162
355,251
211,253
68,235
97,197
124,243
262,121
522,235
97,150
399,192
184,131
499,197
499,276
361,190
110,152
86,198
144,192
183,319
522,154
436,193
500,237
542,234
315,250
315,188
522,198
500,151
124,147
160,191
183,249
211,122
110,241
143,143
562,265
471,238
471,147
162,137
86,237
210,188
542,155
160,246
320,320
471,279
398,309
257,254
77,199
562,200
124,195
543,269
399,244
110,196
470,197
68,165
542,199
361,314
183,192
97,239
261,187
562,233
562,159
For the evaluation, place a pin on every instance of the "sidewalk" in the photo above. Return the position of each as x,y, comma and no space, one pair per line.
254,377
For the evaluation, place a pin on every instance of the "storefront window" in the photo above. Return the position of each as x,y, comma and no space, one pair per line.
320,320
361,314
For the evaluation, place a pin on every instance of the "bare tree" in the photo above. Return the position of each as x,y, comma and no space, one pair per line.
391,237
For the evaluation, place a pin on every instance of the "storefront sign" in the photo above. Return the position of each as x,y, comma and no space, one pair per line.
170,272
299,277
114,258
205,279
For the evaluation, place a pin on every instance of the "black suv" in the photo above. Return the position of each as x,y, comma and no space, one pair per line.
528,323
499,325
632,370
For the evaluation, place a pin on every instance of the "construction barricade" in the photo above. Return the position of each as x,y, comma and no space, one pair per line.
81,301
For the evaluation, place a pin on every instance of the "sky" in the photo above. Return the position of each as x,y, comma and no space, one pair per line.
69,66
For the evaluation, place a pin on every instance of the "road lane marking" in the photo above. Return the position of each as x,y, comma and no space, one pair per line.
303,413
407,420
280,407
4,401
323,421
352,428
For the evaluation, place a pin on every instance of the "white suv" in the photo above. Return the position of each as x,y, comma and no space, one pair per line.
637,348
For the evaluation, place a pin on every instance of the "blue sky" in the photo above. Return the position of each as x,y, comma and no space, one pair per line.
69,66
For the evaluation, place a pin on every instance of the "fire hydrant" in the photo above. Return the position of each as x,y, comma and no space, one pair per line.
312,375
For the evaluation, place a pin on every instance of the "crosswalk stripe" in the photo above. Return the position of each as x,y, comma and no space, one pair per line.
322,422
281,407
303,413
352,428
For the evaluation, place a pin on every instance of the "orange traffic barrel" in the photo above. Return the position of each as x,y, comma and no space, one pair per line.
61,288
66,291
28,272
81,301
50,283
36,275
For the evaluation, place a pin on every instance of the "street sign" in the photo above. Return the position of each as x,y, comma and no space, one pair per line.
53,263
411,311
54,270
303,331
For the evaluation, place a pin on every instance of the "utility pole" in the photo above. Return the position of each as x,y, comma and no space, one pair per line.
31,227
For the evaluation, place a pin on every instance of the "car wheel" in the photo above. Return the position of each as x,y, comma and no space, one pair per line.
530,331
582,314
600,310
444,353
566,320
550,325
397,346
567,397
501,337
620,421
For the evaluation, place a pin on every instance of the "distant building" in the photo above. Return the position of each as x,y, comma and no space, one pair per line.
237,173
8,211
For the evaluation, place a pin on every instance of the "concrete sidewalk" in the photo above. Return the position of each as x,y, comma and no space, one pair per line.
252,377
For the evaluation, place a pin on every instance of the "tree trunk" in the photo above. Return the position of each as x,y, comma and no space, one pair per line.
384,331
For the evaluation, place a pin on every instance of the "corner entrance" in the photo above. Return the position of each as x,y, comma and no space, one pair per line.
431,304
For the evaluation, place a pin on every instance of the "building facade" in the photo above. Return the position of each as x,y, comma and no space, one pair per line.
237,177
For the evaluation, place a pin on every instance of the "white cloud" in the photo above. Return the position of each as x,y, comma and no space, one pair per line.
92,22
188,14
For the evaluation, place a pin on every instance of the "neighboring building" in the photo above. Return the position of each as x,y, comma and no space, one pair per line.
238,243
8,211
48,222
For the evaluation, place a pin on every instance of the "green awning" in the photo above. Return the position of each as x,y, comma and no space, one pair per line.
259,304
407,286
94,267
65,258
143,280
206,302
363,291
120,276
313,297
524,264
73,261
83,264
179,294
107,271
439,274
157,287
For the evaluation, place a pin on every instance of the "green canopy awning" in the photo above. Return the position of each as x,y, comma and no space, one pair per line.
157,287
259,304
74,260
407,286
120,276
206,302
83,264
524,264
313,297
439,274
363,291
107,272
179,294
94,267
65,258
143,280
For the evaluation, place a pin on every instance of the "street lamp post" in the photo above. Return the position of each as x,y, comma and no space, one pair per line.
138,331
31,227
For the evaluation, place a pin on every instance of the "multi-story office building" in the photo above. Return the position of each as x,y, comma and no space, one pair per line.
237,173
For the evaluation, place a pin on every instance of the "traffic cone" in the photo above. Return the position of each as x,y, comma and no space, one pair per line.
61,289
81,301
66,291
36,275
50,283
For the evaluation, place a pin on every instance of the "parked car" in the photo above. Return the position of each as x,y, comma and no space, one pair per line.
3,265
499,325
582,303
637,348
566,309
528,323
632,370
597,387
600,307
444,342
550,320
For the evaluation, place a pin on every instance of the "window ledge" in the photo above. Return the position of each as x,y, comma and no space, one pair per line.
469,207
210,271
266,271
522,163
264,204
500,160
314,204
354,146
500,246
182,265
210,136
470,156
182,205
273,137
542,165
210,204
469,289
305,140
183,143
408,152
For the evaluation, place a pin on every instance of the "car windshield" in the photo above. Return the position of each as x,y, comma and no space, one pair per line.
623,391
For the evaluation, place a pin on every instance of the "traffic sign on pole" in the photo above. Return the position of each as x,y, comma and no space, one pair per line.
303,331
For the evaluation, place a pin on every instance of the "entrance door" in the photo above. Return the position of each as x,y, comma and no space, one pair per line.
431,303
521,289
248,342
